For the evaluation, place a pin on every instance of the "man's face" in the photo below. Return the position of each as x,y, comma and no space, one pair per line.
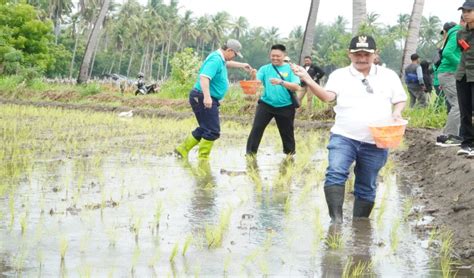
229,54
362,60
468,16
277,56
307,62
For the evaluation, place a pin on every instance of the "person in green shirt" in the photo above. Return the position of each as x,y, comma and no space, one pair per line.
279,82
450,57
211,86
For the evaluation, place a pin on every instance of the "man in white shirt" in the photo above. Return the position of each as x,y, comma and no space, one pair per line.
364,94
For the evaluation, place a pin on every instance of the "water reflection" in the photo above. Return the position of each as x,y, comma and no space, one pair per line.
331,263
202,208
363,240
271,201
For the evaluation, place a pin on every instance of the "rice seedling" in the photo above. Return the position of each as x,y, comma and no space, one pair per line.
394,235
360,269
186,244
154,259
335,241
23,223
318,227
382,208
446,250
11,207
227,261
19,259
85,271
158,212
112,235
287,205
215,233
174,252
63,246
407,206
135,257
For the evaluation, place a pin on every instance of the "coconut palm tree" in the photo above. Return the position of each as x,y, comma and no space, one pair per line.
239,27
92,44
309,31
402,28
413,33
271,36
219,24
359,14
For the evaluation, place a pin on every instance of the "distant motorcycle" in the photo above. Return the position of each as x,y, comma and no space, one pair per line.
142,88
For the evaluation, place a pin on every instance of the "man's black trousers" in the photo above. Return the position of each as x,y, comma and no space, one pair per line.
284,118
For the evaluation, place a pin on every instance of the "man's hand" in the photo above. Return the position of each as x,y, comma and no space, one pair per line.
248,68
207,101
397,115
276,81
300,72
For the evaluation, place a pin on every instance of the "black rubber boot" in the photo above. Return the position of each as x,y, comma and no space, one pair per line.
335,199
362,208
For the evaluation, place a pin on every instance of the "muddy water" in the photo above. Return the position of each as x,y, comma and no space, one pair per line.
104,212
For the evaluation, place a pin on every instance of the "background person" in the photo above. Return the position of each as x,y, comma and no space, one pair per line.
275,102
465,80
316,74
450,58
415,83
211,86
364,93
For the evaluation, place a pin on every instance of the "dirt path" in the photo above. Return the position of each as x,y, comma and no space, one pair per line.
441,182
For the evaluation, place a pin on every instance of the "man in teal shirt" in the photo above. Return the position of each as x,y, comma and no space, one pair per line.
279,82
211,86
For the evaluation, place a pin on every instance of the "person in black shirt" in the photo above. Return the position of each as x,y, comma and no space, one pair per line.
316,74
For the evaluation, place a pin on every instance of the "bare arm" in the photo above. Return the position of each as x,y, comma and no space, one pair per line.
320,92
234,64
288,85
205,91
397,110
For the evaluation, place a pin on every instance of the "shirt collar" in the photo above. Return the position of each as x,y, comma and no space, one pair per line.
355,72
222,54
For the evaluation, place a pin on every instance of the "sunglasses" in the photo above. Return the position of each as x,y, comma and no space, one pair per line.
368,88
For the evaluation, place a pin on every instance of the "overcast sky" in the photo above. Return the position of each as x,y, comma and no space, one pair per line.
288,14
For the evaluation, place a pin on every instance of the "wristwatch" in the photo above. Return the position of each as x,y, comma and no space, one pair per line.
281,82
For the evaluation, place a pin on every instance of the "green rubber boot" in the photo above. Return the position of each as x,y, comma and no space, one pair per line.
205,147
183,149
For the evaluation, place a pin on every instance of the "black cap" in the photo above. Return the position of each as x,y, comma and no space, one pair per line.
447,26
362,43
468,5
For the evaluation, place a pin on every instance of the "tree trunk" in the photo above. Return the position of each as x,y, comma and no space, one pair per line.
130,63
160,65
71,68
92,43
167,56
93,57
308,36
152,58
112,65
413,33
120,60
359,14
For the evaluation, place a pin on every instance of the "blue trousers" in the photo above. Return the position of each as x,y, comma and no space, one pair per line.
208,118
368,160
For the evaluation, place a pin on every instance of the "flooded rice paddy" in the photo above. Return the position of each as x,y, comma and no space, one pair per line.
92,195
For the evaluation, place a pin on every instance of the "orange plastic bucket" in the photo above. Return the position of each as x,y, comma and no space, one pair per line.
250,87
388,134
